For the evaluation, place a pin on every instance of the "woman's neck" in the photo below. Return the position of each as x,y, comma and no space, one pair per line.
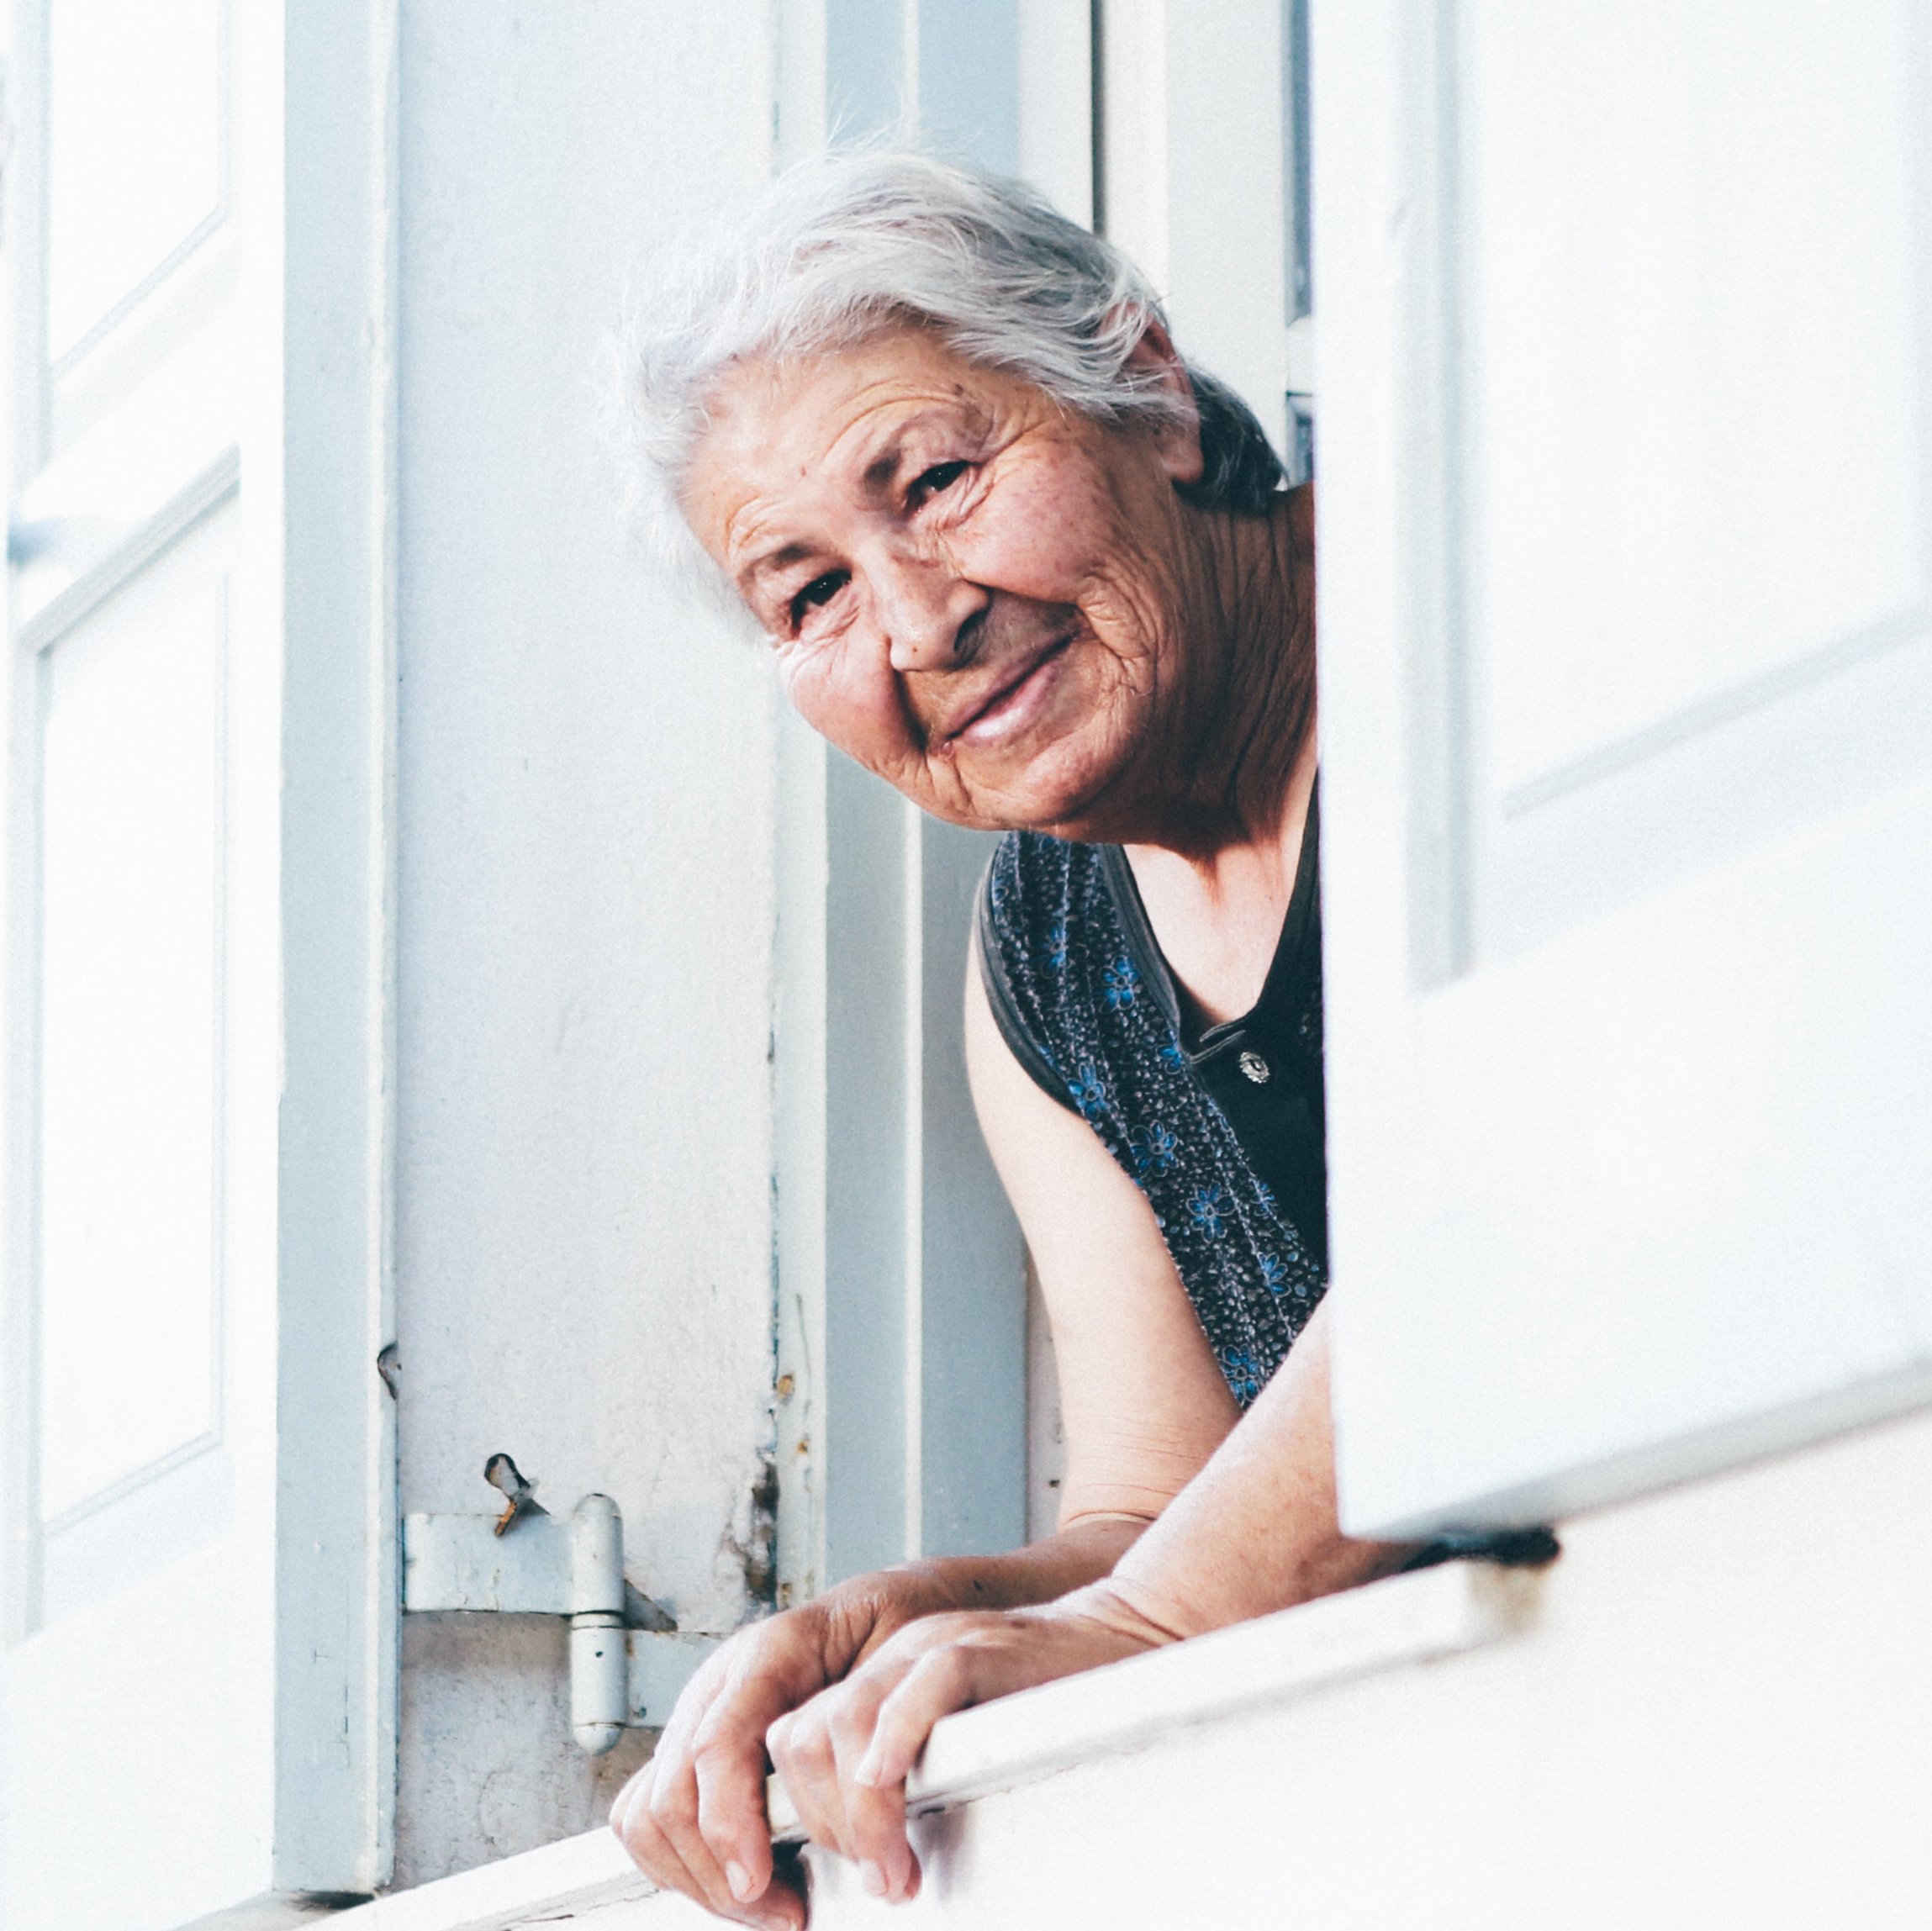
1218,768
1216,841
1217,914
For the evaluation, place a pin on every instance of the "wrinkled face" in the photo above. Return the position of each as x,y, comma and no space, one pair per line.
971,592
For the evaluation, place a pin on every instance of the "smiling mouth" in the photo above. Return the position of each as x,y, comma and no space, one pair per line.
1011,691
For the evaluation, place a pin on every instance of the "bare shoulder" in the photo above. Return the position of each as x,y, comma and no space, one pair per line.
1143,1403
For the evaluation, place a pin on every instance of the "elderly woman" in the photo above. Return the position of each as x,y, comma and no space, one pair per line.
1017,558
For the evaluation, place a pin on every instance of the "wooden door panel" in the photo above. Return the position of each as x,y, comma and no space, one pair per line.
158,1808
1690,286
1692,269
201,1565
146,994
1627,708
1669,1175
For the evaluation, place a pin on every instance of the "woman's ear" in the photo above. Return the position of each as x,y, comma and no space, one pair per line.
1177,440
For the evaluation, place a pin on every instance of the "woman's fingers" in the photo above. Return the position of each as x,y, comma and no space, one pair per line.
729,1835
941,1682
845,1755
817,1751
821,1749
970,1659
693,1817
728,1763
634,1820
802,1754
874,1816
671,1818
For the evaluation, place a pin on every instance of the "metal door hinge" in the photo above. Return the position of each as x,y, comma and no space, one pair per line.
628,1661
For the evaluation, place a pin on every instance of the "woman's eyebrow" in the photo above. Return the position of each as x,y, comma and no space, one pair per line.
884,468
886,464
772,562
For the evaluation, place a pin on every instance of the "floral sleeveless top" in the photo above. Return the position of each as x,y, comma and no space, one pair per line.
1220,1127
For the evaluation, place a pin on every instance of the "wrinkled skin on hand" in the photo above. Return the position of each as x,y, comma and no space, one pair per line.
845,1755
693,1817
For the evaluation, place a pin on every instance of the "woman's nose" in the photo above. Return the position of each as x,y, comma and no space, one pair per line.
928,615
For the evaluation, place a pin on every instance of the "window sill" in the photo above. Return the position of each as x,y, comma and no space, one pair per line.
1003,1746
584,1876
1023,1739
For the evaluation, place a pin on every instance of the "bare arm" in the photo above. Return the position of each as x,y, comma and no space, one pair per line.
1243,1517
1243,1514
1143,1404
1257,1529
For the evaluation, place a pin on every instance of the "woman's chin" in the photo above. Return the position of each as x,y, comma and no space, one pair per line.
1049,793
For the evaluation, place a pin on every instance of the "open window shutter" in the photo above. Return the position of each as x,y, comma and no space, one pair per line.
199,1588
1626,712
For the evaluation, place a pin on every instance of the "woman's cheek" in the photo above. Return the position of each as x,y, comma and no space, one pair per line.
1038,529
847,703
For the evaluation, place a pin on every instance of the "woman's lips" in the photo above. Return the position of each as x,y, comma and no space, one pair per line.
1013,706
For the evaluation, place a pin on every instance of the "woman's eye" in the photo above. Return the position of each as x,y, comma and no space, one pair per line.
941,477
817,594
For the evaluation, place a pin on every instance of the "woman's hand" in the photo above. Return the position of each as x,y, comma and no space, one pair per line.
845,1755
693,1817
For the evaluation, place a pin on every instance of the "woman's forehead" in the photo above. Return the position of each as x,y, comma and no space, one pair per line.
782,427
821,397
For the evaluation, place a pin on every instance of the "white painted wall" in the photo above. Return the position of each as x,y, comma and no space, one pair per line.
586,788
1194,179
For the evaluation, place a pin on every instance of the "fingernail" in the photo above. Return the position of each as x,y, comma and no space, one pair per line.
872,1878
868,1770
740,1880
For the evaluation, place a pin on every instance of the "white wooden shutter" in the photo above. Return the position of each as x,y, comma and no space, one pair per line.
198,1589
1627,703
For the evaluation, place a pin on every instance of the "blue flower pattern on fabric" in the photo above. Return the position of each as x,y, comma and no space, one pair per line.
1208,1204
1062,952
1243,1373
1153,1147
1090,1096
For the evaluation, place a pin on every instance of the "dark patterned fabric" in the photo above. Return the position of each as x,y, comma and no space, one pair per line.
1083,999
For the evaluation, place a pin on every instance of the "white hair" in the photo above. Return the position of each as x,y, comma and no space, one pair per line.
841,249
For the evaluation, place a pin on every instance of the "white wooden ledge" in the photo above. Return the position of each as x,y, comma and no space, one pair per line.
1404,1620
1020,1739
586,1878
